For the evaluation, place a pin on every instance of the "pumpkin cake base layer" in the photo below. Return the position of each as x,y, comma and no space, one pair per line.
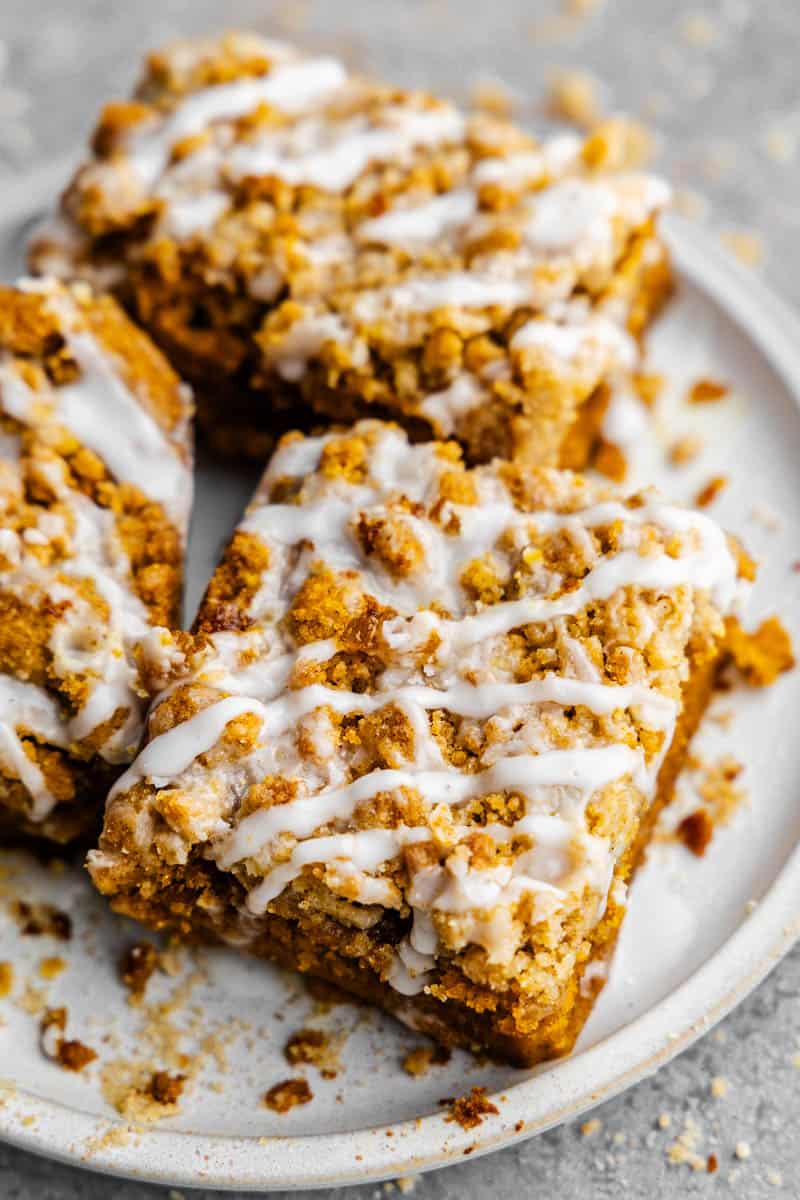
312,239
418,738
95,488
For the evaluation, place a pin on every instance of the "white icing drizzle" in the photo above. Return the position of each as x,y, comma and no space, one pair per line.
424,222
291,86
103,413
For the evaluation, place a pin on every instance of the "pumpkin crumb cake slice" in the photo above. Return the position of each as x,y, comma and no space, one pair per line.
419,737
300,239
95,486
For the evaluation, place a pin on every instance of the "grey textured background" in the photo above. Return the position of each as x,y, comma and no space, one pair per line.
719,82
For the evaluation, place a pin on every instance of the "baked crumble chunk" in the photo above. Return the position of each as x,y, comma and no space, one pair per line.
419,737
95,487
299,239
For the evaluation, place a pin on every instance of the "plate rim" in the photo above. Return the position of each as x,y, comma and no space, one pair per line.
578,1082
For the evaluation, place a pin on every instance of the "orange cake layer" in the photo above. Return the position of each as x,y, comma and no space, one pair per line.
297,237
95,488
418,737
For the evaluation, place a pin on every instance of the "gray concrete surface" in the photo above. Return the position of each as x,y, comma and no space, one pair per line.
719,81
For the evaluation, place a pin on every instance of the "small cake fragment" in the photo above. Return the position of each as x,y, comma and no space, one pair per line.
420,738
303,240
95,486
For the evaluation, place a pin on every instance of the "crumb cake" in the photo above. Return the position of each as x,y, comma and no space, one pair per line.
417,739
301,240
95,487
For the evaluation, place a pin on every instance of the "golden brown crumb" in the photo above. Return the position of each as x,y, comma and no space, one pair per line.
419,1061
42,920
709,492
719,1087
574,96
51,968
166,1088
696,831
315,1047
648,386
762,656
707,391
745,244
74,1055
685,449
469,1110
610,461
712,1163
6,978
137,965
592,1126
288,1094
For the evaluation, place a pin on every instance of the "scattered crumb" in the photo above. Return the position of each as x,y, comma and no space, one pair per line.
422,1058
70,1054
491,95
709,492
696,831
707,391
51,968
684,1150
780,144
664,1120
574,96
610,460
407,1183
648,386
746,245
288,1094
760,657
317,1048
592,1126
6,978
41,920
712,1162
697,30
690,204
765,516
742,1150
774,1178
136,966
685,449
620,144
156,1099
719,1087
469,1110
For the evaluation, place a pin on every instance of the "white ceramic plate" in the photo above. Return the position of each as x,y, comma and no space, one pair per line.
699,936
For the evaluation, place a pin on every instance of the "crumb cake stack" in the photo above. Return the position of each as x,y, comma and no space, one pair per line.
95,488
293,234
418,738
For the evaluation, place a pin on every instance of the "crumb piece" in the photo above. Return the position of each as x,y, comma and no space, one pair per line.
745,245
719,1087
648,386
742,1150
684,1150
315,1047
51,968
406,1184
422,1058
707,391
574,96
42,920
774,1178
137,965
6,978
592,1126
469,1110
166,1088
491,95
685,449
664,1120
690,204
697,30
780,144
288,1094
70,1054
610,461
709,492
762,656
766,516
74,1055
712,1162
696,831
